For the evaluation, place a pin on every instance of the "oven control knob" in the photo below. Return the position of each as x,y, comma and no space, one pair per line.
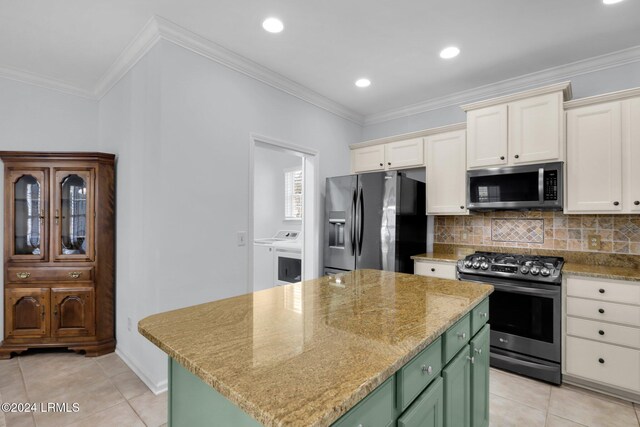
524,269
535,270
484,265
545,271
468,263
476,265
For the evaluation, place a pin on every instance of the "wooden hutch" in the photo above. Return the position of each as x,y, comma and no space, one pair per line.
59,252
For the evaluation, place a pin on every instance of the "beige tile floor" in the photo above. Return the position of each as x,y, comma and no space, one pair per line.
110,394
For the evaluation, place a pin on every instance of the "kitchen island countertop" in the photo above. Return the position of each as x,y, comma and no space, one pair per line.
306,353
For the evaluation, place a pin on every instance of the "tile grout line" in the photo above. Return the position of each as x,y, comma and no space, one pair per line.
121,394
24,384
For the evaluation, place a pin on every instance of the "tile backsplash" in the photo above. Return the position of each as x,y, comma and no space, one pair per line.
546,230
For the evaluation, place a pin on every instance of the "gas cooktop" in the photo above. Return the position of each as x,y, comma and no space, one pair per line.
512,266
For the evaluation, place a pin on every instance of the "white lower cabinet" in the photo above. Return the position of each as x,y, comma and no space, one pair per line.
442,270
602,335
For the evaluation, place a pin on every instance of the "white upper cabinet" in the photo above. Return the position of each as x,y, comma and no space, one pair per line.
404,154
446,173
594,158
632,140
487,139
367,159
523,128
535,129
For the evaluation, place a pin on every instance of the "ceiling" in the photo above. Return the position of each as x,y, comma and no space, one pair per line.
328,44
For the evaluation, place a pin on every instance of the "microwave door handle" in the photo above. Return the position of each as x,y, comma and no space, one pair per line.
541,185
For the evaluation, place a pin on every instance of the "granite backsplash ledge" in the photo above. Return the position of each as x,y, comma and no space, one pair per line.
619,234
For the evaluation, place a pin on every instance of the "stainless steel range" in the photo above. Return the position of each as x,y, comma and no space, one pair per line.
525,310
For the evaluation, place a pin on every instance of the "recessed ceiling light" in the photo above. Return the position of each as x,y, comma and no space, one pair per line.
611,1
273,25
363,82
449,52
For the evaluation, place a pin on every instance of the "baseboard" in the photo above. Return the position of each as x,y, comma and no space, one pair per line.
156,388
601,388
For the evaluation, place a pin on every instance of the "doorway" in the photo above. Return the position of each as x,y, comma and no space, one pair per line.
282,213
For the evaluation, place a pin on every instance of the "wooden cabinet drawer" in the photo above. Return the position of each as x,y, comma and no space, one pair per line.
436,269
479,316
416,375
49,274
606,363
604,332
603,290
607,311
428,409
456,337
375,410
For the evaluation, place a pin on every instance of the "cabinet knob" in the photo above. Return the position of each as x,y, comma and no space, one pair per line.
381,164
472,359
601,332
462,335
601,310
478,350
389,163
427,369
601,360
517,156
433,269
483,314
601,291
461,207
637,202
501,157
616,203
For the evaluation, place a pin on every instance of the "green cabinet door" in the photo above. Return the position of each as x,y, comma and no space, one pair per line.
457,390
427,409
480,379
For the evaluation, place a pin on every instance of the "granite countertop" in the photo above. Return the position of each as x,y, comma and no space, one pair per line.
306,353
570,268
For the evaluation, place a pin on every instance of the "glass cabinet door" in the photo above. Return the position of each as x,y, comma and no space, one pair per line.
27,198
73,215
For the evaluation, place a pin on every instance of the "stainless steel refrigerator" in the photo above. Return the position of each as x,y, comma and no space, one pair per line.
374,220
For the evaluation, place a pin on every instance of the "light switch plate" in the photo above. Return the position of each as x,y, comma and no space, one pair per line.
242,238
594,241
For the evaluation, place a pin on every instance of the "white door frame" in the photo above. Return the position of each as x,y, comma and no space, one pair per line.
311,203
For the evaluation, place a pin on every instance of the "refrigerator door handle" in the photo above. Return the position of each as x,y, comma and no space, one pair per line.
361,218
353,222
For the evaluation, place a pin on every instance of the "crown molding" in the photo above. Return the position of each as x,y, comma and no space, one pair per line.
189,40
516,84
564,87
132,53
607,97
410,135
44,82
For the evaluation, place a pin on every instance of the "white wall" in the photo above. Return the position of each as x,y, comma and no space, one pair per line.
37,119
603,81
268,190
181,126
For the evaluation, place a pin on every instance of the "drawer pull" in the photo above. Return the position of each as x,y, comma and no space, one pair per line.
433,269
427,369
601,310
601,291
472,359
75,274
23,275
478,350
601,360
462,335
601,332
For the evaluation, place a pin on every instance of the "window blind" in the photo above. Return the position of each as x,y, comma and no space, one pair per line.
293,186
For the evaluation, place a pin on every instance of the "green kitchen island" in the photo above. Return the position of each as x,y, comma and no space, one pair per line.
372,348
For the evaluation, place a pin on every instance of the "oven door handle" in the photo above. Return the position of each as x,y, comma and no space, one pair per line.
525,290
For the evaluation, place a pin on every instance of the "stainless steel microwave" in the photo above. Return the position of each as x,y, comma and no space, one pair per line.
517,187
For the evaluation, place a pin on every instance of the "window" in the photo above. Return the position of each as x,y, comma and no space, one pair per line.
293,194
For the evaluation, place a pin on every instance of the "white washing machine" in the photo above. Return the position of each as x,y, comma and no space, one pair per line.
265,261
